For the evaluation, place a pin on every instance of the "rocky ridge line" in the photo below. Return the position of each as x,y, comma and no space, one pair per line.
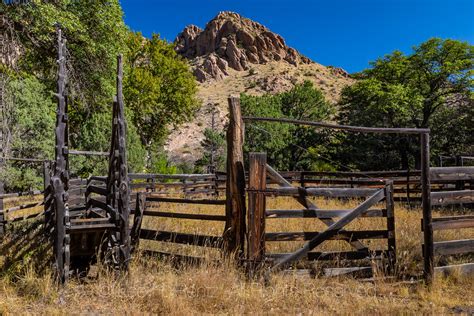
232,41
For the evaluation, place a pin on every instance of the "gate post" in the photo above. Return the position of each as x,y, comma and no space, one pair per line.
391,241
234,233
256,214
428,250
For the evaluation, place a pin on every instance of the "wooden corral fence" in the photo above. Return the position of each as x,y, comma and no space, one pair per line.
156,207
179,184
425,187
406,183
369,194
19,210
445,198
85,217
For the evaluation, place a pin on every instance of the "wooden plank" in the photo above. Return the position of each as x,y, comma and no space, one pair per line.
6,196
23,207
234,232
88,228
134,176
77,181
364,272
100,204
331,231
336,255
452,197
175,258
256,212
360,271
181,238
77,191
322,192
321,213
379,130
452,173
308,273
87,153
453,222
26,217
342,181
465,269
197,192
98,190
184,201
23,159
91,220
204,217
453,247
298,236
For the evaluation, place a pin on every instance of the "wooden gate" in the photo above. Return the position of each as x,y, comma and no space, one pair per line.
376,194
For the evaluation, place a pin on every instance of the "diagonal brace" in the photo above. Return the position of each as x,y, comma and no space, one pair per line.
272,173
332,230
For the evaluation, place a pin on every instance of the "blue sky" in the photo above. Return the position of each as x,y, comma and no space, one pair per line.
344,33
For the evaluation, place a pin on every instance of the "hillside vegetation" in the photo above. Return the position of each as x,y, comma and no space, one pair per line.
172,89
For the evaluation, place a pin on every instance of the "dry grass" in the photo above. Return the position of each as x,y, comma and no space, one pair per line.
157,287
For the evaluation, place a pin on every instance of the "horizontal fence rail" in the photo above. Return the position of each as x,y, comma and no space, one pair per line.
150,205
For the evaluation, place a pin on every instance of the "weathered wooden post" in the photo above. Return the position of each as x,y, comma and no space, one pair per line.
117,179
47,192
60,177
234,233
256,212
137,221
391,241
2,215
428,251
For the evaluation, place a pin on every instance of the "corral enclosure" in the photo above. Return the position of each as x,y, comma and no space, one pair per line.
265,220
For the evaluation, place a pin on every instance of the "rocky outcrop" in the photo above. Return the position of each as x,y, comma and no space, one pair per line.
212,67
230,40
337,71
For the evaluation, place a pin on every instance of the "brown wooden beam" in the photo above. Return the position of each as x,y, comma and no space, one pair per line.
234,233
378,130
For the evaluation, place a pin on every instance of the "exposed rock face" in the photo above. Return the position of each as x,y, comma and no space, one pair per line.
337,71
230,40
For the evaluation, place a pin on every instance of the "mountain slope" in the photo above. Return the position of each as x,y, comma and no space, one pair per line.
232,55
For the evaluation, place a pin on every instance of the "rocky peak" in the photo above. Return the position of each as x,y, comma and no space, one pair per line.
232,41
